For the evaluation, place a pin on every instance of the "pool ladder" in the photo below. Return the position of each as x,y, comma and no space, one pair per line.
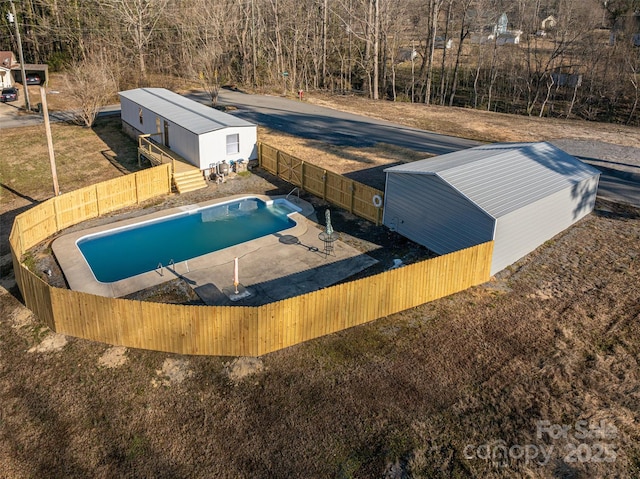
170,265
292,191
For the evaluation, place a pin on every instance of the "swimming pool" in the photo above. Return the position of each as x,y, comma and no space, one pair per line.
131,250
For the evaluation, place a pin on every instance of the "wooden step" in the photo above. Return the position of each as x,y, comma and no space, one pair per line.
191,180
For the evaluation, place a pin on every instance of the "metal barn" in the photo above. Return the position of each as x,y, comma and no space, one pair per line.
201,135
518,195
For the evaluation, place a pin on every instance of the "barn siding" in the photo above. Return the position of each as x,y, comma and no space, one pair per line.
526,193
522,231
430,212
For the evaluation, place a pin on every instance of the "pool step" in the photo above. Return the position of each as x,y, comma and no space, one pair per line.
185,181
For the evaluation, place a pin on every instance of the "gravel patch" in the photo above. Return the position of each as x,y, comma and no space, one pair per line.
113,357
625,160
52,342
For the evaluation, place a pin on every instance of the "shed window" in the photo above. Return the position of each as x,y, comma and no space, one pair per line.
140,115
233,144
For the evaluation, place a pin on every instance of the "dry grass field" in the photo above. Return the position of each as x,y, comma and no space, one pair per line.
455,388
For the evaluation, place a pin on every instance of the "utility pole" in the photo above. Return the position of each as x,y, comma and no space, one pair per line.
47,127
12,17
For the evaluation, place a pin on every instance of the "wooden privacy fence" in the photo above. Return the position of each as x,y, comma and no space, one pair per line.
355,197
220,330
51,216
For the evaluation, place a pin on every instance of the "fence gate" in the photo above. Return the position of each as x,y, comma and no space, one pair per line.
357,198
290,169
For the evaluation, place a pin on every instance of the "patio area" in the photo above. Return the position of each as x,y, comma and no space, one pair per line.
271,268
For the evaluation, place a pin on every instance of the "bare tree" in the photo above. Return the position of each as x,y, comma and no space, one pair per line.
139,19
92,85
463,34
433,13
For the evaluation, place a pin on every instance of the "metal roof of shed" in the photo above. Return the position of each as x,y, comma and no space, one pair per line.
504,177
189,114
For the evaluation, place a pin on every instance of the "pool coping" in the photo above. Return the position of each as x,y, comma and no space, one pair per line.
80,278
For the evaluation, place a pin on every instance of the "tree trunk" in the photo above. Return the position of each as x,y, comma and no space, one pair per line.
434,8
443,65
376,49
325,24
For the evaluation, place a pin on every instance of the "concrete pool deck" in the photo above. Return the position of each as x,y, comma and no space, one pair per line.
271,268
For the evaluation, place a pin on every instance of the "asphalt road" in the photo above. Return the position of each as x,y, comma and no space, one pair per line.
335,127
620,166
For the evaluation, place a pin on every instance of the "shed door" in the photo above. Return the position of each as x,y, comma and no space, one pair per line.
166,134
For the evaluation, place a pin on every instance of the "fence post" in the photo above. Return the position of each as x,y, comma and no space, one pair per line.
324,184
97,200
353,197
135,182
278,163
18,223
55,213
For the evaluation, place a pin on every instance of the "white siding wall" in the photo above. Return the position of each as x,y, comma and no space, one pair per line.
208,148
213,146
5,78
428,211
129,114
522,231
183,142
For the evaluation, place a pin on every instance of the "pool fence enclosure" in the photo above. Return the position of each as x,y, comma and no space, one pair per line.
226,330
357,198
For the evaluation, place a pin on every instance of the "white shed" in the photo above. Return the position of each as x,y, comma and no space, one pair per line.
518,195
202,135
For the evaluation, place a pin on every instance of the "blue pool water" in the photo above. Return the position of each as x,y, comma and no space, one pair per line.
124,252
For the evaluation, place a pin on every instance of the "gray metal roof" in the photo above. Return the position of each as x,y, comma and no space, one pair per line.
503,177
188,114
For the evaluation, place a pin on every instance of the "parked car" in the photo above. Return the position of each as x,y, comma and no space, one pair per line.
33,79
9,94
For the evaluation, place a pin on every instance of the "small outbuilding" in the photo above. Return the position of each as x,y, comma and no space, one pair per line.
201,135
518,195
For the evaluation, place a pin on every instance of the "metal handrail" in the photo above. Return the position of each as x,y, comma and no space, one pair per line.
291,192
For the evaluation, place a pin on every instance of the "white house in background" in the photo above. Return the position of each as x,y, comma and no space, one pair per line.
201,135
548,23
518,195
7,62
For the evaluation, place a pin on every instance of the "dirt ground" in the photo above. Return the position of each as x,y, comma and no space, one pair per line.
492,382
